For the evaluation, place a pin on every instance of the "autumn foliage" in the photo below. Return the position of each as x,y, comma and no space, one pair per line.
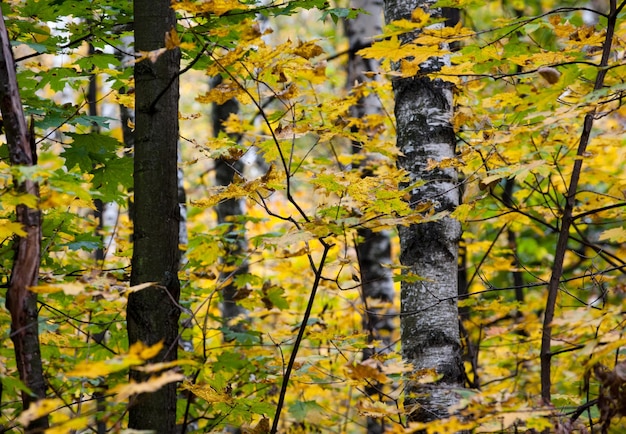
538,88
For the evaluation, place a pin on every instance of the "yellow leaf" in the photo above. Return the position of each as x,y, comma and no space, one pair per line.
375,409
220,94
435,36
450,425
150,55
124,391
369,369
38,409
70,288
69,425
419,16
156,367
393,50
233,125
220,7
426,376
136,288
610,343
9,228
403,25
239,188
143,351
137,355
208,393
617,235
171,39
308,50
217,7
263,427
89,369
537,59
30,200
291,239
127,100
388,48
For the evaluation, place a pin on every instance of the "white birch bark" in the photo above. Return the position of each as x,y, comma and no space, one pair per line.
429,324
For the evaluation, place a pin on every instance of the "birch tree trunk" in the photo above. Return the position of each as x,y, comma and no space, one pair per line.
153,313
373,248
429,324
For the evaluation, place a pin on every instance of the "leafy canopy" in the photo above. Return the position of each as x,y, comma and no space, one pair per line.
524,77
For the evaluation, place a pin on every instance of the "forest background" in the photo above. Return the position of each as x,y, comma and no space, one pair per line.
275,330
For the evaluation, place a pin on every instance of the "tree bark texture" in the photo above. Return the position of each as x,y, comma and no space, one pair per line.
153,313
429,321
227,211
20,301
373,248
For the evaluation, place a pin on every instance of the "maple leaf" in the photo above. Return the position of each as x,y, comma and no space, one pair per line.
137,355
172,39
221,93
390,48
308,50
9,228
262,427
39,409
217,7
375,409
125,391
370,370
616,235
208,393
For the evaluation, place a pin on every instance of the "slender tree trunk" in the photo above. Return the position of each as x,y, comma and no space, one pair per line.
430,327
92,105
518,278
567,216
227,211
373,248
152,313
127,115
20,301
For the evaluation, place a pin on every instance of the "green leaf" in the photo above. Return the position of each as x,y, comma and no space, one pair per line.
247,337
87,242
230,361
98,60
300,409
86,150
276,296
57,78
109,177
14,385
341,13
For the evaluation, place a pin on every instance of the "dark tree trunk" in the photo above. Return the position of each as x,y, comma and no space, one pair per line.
92,105
153,313
22,303
373,248
227,213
